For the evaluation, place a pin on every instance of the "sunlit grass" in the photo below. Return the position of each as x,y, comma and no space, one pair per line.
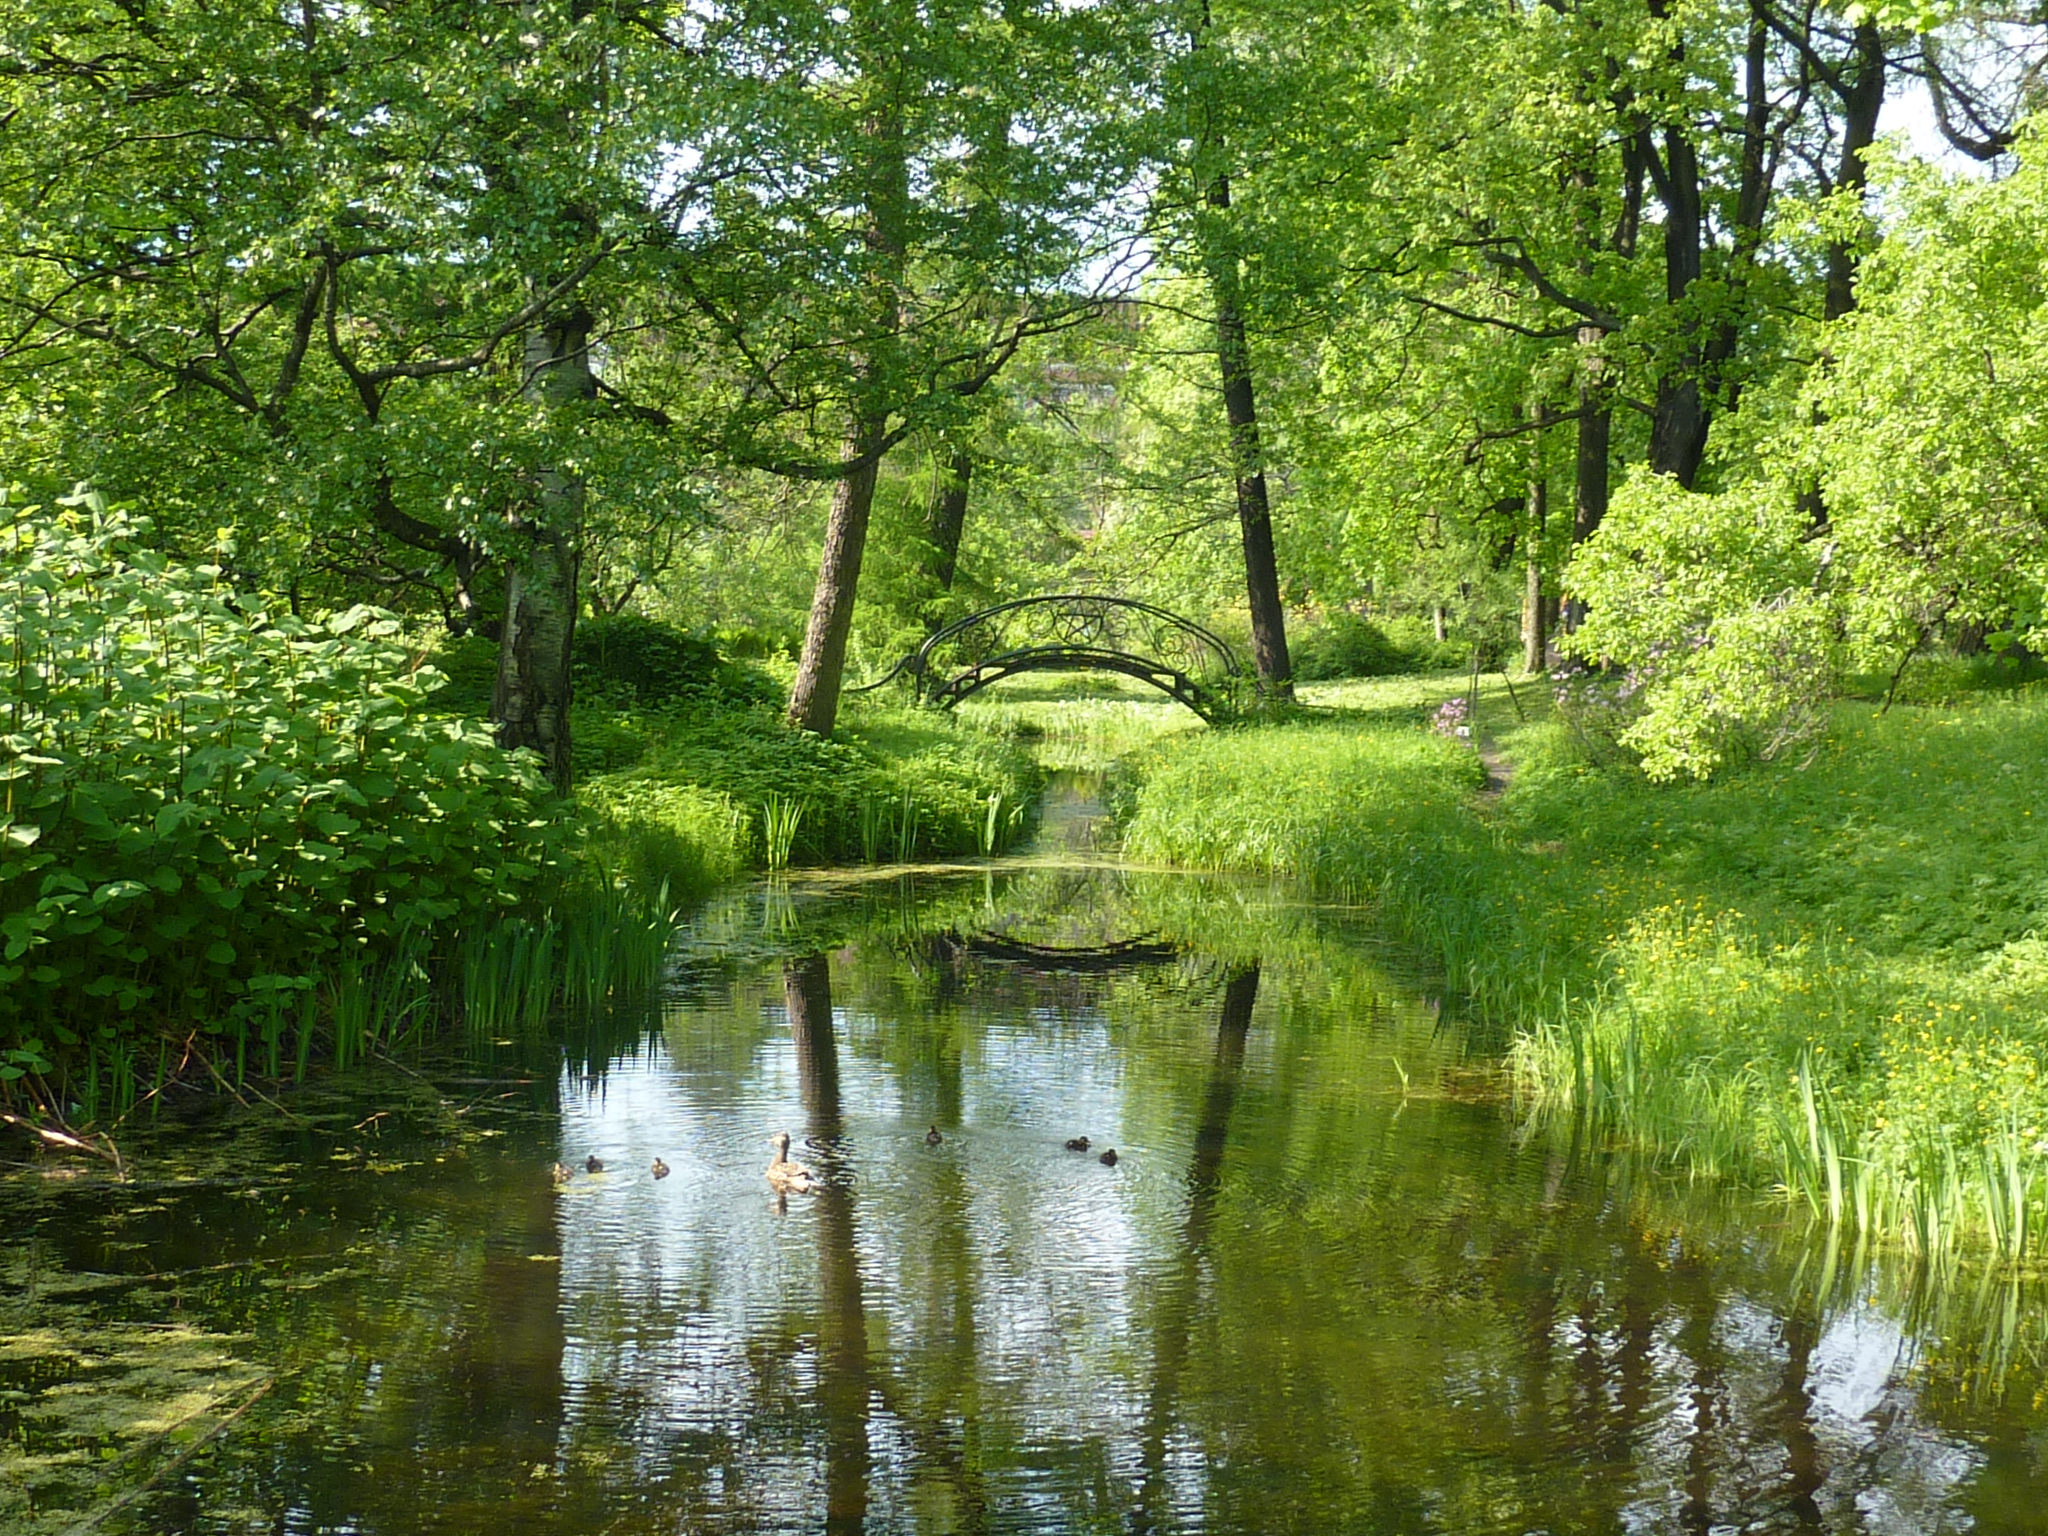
1078,722
1821,976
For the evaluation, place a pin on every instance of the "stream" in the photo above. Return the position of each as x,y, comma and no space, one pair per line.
1332,1283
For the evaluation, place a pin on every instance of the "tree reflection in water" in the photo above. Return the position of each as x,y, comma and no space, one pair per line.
1329,1287
843,1384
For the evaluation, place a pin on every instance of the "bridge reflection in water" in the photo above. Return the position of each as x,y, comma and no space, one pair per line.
1331,1285
1319,1291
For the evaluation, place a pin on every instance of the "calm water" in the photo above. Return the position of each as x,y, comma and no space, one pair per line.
1328,1286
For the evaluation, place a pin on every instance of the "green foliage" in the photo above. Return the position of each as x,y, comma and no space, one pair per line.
653,832
1822,975
631,660
1350,645
718,789
1333,805
1712,609
1937,413
207,803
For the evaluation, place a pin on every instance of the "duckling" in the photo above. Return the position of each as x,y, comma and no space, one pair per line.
593,1164
932,1137
562,1175
787,1177
1108,1159
1077,1143
660,1169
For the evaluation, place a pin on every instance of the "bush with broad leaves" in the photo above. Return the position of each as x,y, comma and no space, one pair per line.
202,802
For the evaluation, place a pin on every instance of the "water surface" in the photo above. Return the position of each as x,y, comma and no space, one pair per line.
1330,1284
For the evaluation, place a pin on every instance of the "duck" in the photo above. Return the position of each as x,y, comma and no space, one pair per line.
562,1174
1108,1159
660,1169
593,1164
932,1137
1077,1143
789,1178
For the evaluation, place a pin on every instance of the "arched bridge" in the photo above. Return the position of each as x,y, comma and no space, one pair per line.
1075,632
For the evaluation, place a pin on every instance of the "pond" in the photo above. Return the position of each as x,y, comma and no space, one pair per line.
1331,1282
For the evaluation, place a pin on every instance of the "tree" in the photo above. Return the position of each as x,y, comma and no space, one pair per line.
940,176
357,265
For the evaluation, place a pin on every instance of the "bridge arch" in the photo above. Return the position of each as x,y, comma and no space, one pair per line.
1075,632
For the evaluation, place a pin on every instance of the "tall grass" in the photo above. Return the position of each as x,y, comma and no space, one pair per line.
782,816
1807,977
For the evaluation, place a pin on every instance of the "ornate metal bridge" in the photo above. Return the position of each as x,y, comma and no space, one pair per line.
1076,632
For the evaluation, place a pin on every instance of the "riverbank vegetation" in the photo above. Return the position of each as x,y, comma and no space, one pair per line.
1824,974
573,439
240,842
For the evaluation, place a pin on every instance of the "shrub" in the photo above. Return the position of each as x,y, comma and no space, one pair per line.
628,659
204,802
1350,645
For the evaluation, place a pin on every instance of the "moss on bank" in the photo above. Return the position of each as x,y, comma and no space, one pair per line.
1827,974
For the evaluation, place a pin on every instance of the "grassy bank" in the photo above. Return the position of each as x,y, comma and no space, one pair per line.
1825,975
691,774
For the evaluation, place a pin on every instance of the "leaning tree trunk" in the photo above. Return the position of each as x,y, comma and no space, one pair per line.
1862,101
1247,458
814,701
885,159
531,705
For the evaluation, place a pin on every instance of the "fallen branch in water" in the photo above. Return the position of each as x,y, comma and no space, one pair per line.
175,1463
105,1149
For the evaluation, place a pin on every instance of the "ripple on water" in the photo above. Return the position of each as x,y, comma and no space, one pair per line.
1331,1284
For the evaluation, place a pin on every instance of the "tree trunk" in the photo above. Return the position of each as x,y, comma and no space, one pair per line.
1862,100
1535,630
1591,461
1678,425
531,703
1694,384
946,517
1862,97
1247,458
814,701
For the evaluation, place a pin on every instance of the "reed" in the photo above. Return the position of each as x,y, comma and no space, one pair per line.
906,828
875,827
508,977
1650,958
781,818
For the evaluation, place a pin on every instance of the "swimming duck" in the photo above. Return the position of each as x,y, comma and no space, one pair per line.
660,1169
1108,1159
787,1177
932,1137
593,1164
1077,1143
562,1175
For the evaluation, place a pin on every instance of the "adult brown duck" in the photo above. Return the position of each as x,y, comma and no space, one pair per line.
789,1178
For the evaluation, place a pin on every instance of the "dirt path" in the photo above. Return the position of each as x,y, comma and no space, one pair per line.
1500,771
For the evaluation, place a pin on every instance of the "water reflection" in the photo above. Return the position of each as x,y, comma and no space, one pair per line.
843,1386
1328,1286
